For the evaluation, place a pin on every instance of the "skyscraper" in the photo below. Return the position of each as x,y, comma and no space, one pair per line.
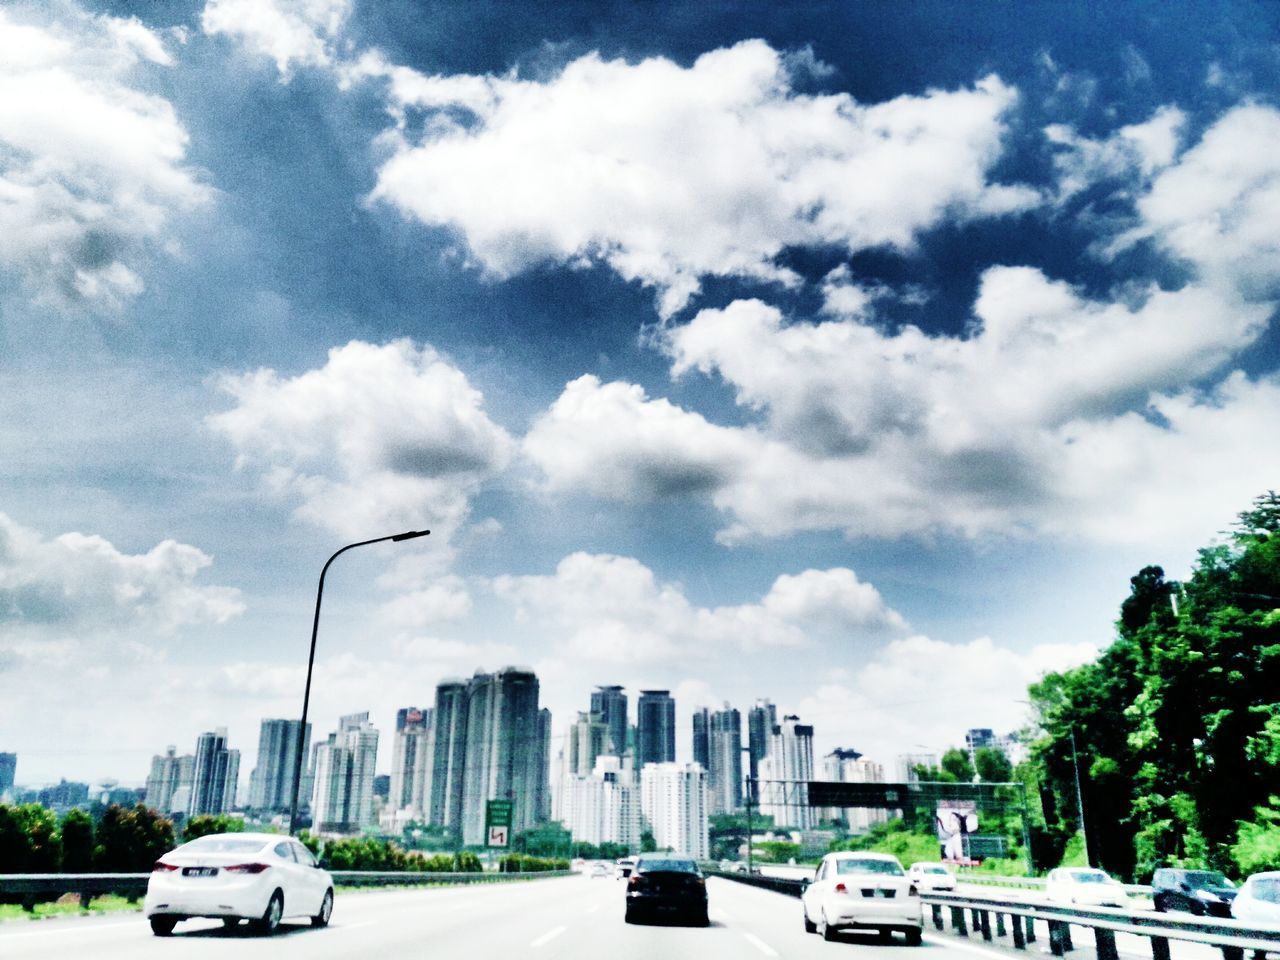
409,761
673,797
786,767
169,774
506,755
215,776
760,723
448,754
611,704
848,766
271,783
702,737
343,799
8,771
588,738
655,728
604,806
724,770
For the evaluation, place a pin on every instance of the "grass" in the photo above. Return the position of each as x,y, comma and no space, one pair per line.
69,906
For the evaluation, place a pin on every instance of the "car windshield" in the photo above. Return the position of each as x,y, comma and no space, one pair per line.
868,865
221,845
935,868
1267,890
1089,876
667,866
1207,878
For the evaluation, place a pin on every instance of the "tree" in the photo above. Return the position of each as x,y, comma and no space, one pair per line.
29,839
131,840
956,762
77,842
204,824
992,765
647,843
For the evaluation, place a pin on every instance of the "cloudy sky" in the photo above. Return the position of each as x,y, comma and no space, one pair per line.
851,355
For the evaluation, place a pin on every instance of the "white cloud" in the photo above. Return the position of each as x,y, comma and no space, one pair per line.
615,610
91,166
380,439
291,32
443,600
668,174
923,692
80,584
1137,150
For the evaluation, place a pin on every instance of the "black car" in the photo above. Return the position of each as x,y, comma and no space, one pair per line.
664,884
1196,891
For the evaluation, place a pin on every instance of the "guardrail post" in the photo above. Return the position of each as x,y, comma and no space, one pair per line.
1106,942
977,920
1233,953
86,898
1031,930
1000,931
1056,945
1159,948
1019,939
937,915
957,921
986,925
1066,937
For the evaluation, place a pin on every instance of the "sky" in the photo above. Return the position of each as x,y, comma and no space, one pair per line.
848,355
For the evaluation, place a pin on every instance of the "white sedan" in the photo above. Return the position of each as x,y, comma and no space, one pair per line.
932,876
1259,899
862,891
1085,886
259,877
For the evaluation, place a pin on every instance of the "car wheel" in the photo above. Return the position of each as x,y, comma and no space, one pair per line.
163,926
809,925
827,930
270,921
321,919
630,915
914,937
702,918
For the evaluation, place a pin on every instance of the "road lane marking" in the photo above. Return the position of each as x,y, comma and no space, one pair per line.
760,945
719,915
547,937
136,925
957,944
593,908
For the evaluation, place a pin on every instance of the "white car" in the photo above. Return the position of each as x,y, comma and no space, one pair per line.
622,870
1259,899
862,891
932,876
1085,886
259,877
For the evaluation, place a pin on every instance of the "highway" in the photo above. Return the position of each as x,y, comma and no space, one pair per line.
572,917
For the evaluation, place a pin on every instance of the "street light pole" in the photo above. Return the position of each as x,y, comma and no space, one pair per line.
1075,765
311,659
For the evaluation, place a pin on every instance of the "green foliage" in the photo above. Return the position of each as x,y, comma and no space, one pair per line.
205,824
992,765
956,762
777,851
519,863
29,839
894,837
130,840
77,842
647,843
1257,845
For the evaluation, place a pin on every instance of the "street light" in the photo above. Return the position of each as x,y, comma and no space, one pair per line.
311,659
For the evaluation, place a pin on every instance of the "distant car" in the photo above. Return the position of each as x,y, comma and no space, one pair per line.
862,891
259,877
578,865
932,876
1085,886
666,884
1258,900
599,870
624,866
1201,892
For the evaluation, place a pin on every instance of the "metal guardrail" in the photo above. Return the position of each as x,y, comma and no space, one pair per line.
1034,883
30,888
1233,937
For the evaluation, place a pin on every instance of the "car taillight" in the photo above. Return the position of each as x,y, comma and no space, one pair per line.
634,881
841,888
162,867
246,868
912,891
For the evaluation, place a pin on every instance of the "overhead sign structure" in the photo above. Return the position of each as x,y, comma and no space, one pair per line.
497,823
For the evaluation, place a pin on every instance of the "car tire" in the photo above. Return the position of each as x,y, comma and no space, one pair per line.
321,919
163,926
914,937
269,923
827,930
809,925
230,923
630,915
702,918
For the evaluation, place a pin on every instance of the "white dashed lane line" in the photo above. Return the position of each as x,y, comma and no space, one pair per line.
547,937
760,945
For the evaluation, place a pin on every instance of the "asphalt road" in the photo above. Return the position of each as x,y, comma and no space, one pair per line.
573,917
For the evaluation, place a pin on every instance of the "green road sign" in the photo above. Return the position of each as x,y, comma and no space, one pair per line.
497,823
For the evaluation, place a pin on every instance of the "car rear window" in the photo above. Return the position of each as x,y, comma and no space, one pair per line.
942,870
222,845
1267,890
1207,878
667,866
1089,876
884,867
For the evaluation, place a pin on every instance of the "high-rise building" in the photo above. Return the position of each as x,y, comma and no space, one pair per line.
409,762
169,782
506,752
215,776
610,703
604,806
786,768
724,769
673,797
910,765
8,773
448,747
588,739
271,783
344,773
702,737
63,796
843,765
543,806
655,728
761,720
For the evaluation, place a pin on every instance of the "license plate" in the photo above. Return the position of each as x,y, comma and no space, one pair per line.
199,871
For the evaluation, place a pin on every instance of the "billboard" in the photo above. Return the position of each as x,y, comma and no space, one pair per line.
955,820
